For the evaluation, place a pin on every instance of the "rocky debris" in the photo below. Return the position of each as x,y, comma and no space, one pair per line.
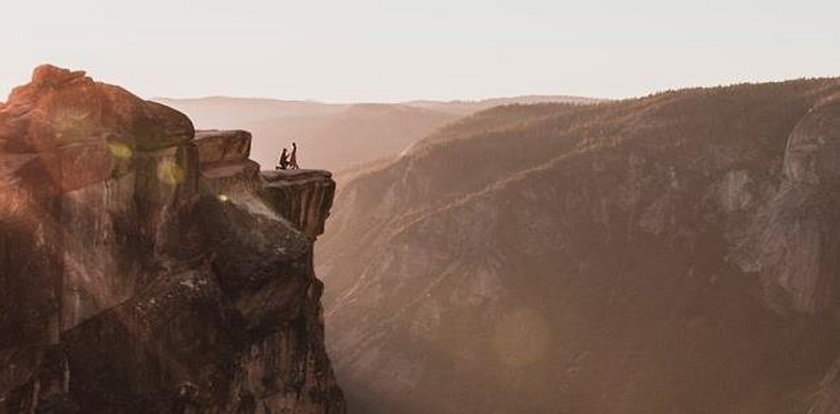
140,269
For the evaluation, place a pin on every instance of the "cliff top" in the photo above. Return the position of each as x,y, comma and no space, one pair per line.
60,107
276,176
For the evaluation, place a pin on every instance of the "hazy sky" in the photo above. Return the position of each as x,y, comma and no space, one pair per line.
396,50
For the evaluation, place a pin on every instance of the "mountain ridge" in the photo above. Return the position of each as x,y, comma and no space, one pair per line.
335,136
530,259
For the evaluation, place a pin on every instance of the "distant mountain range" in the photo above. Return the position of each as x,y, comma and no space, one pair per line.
335,136
671,254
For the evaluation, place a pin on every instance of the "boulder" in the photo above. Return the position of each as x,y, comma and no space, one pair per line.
216,146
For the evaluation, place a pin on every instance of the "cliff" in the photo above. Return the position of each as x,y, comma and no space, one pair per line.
146,267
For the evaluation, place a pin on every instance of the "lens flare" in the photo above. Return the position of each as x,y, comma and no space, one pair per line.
170,172
120,150
521,338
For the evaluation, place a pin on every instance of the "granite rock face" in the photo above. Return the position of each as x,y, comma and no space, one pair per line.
300,195
141,270
795,239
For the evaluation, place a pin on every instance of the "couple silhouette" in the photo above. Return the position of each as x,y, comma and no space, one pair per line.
288,161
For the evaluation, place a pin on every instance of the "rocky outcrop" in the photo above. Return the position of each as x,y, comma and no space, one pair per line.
223,156
796,240
141,271
304,197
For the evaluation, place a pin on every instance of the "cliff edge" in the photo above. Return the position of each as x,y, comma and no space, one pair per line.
149,268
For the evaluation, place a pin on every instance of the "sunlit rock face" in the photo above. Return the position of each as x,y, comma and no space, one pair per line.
141,271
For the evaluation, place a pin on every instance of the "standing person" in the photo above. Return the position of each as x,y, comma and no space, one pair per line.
293,159
284,160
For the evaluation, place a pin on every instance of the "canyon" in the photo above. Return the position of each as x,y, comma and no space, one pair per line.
675,253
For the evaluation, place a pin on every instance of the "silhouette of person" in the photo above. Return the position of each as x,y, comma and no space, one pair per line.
293,159
284,160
